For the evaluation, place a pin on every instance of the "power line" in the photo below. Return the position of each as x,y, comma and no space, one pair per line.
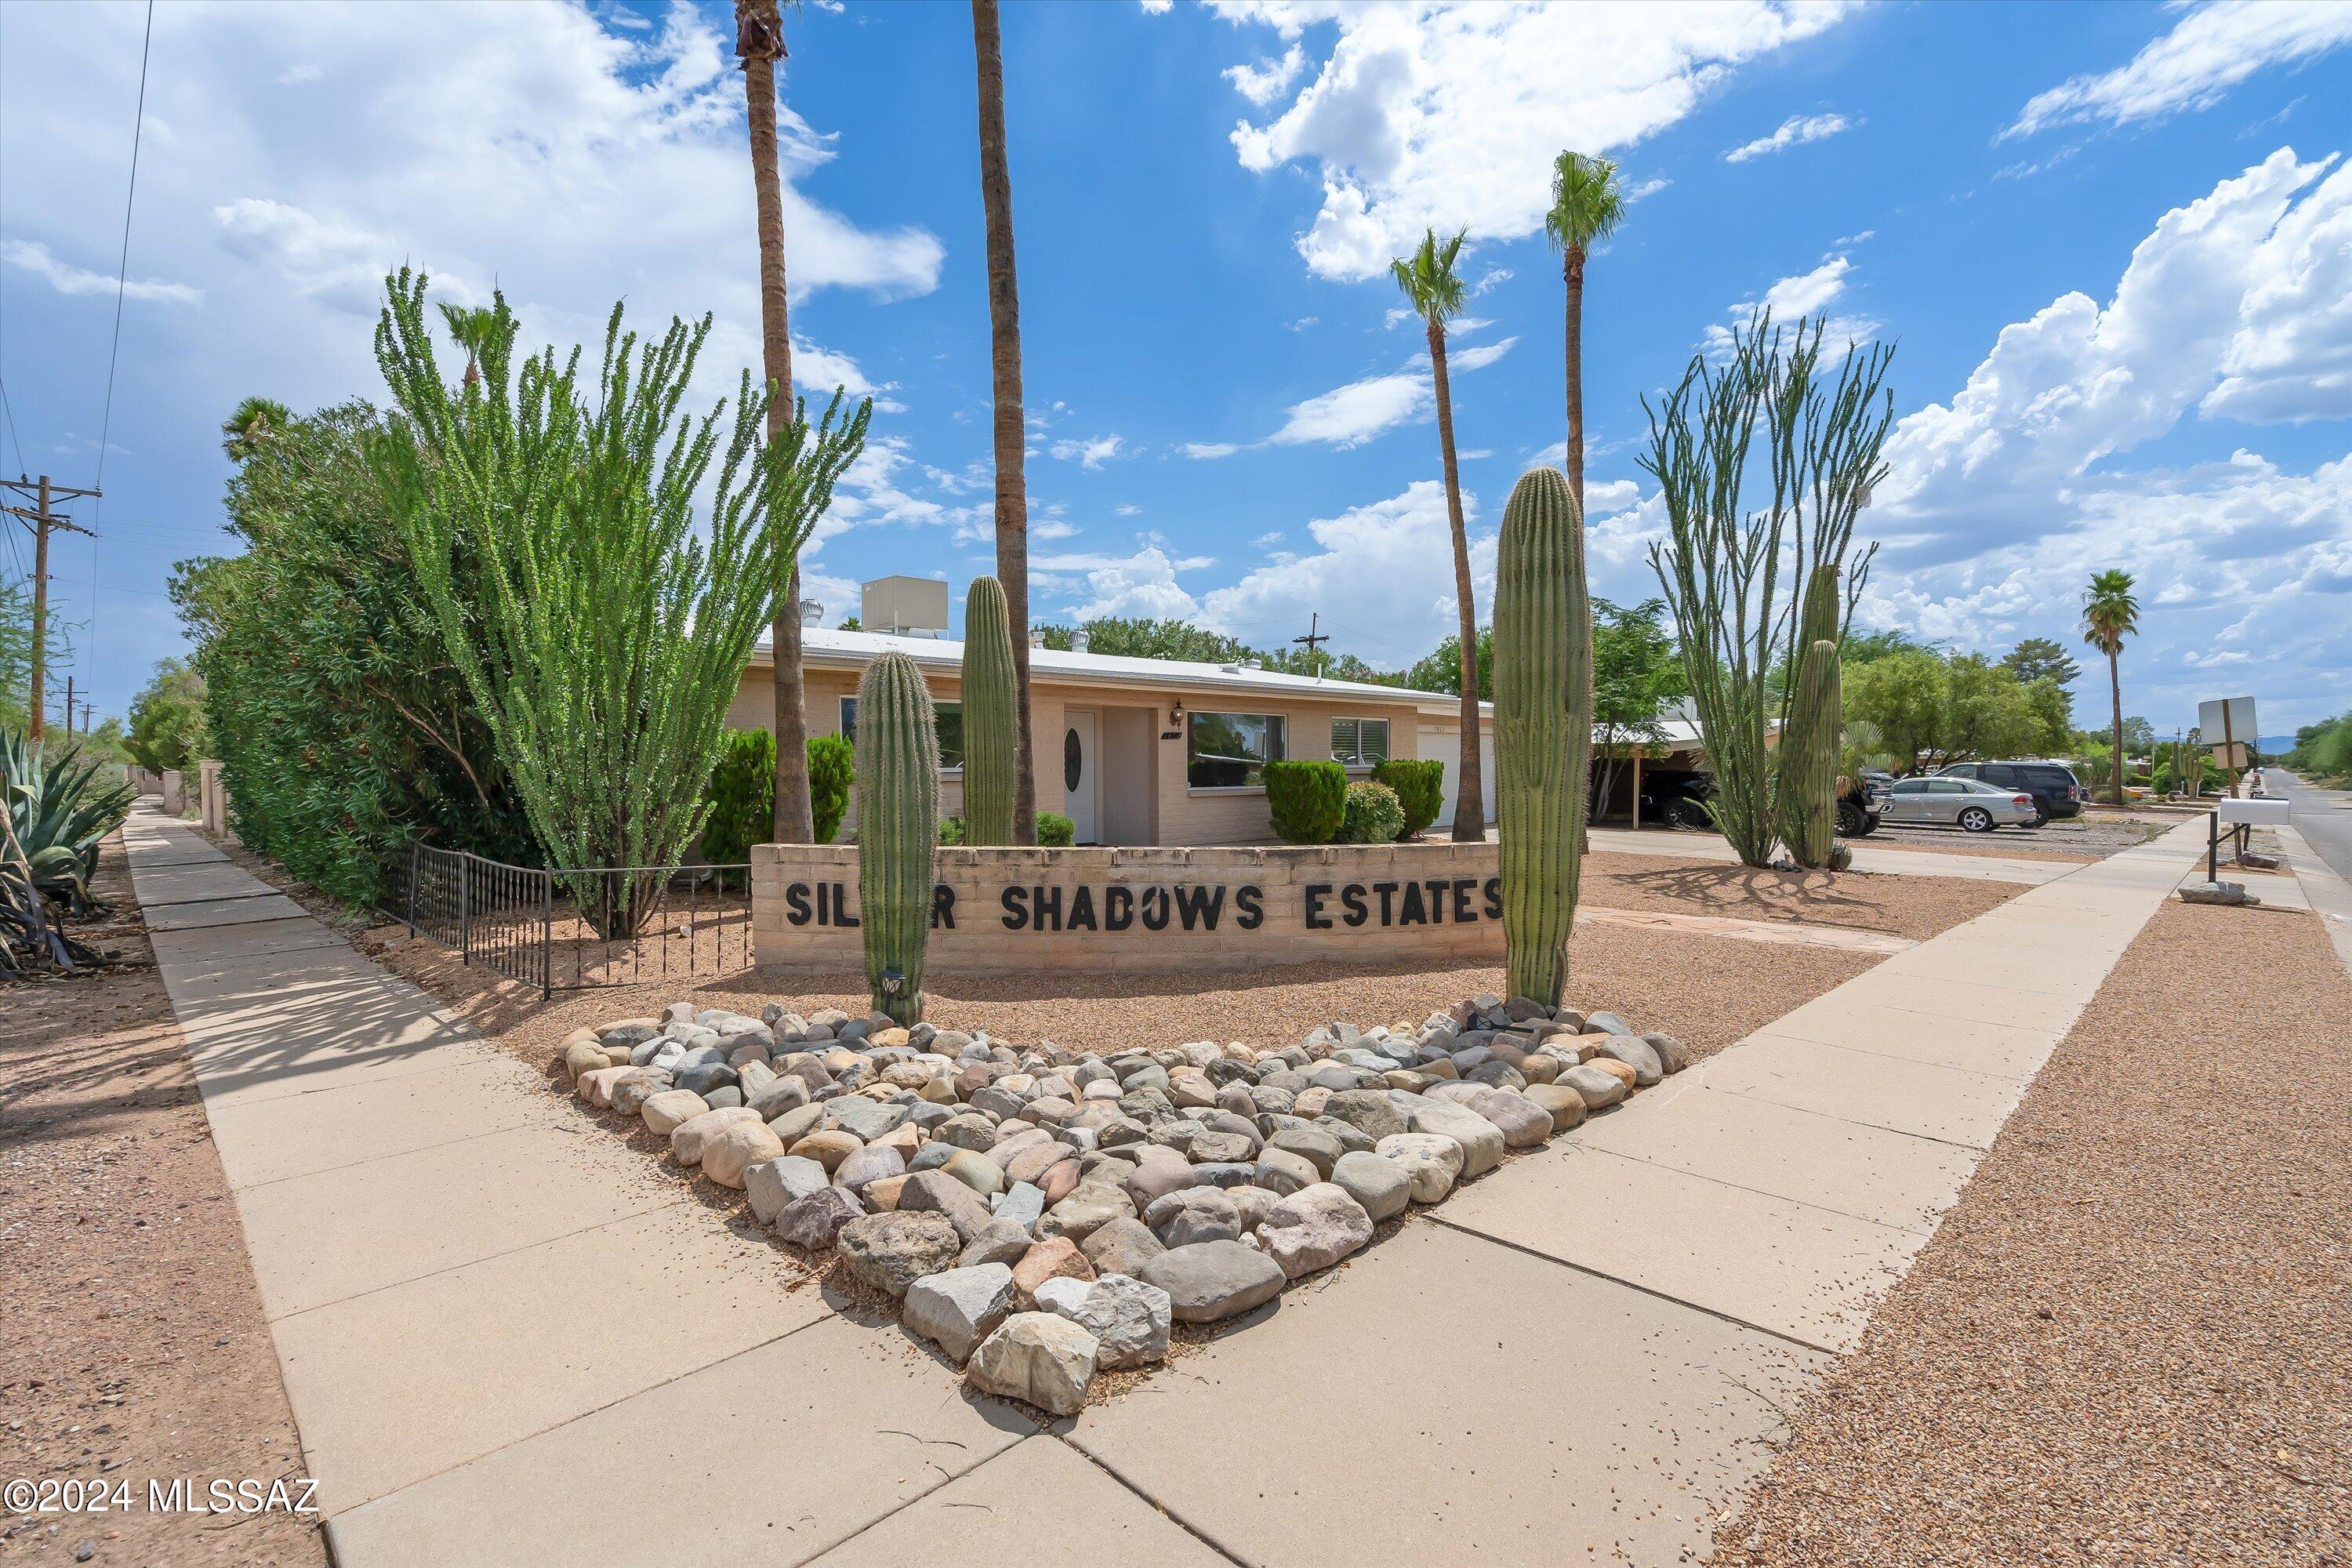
114,350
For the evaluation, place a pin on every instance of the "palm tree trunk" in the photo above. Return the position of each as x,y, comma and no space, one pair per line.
2115,689
1010,431
1573,267
1470,798
759,40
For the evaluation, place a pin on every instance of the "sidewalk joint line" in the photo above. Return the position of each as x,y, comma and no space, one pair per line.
1166,1512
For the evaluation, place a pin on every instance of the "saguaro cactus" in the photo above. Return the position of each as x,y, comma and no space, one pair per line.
1543,726
897,829
991,725
1806,797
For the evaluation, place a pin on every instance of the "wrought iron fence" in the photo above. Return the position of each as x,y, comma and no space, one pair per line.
562,929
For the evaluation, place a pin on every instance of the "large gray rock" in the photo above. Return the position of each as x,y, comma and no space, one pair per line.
774,1099
1195,1214
1635,1053
1524,1124
999,1241
1367,1109
1024,1203
633,1089
1600,1090
868,1119
796,1124
936,1192
687,1138
956,1308
672,1108
888,1252
976,1171
1563,1104
1123,1246
1606,1024
1283,1170
1430,1162
816,1221
772,1184
1038,1358
1481,1139
1374,1180
1672,1054
1128,1319
1086,1210
1213,1280
1314,1228
863,1167
1318,1146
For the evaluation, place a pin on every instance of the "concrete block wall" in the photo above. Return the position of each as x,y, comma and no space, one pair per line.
1206,909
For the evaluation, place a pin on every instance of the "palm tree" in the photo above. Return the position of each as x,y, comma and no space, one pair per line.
760,44
250,427
470,329
1586,207
1435,290
2110,614
1012,434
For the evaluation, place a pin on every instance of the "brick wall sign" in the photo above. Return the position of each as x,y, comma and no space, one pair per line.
1009,911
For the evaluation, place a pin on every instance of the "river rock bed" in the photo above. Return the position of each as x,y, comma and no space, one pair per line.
1042,1214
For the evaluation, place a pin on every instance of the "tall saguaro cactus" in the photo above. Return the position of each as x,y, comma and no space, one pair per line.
990,723
1806,795
1543,726
898,829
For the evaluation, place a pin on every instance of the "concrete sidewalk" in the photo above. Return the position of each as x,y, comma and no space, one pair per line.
504,1345
1866,858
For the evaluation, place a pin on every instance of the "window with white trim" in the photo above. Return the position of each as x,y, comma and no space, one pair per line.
1230,750
947,716
1360,742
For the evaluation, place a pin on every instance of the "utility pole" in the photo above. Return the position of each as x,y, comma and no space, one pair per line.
42,520
69,706
1314,636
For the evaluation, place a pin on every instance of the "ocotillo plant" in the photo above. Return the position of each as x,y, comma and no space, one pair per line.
991,723
1543,726
898,829
1805,797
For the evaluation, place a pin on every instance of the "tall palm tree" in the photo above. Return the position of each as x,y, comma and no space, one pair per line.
1012,434
2110,614
250,425
471,328
1437,292
760,44
1586,207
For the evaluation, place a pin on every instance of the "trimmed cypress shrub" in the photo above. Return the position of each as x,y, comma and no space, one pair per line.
742,791
833,773
1371,816
1309,800
1420,785
1055,831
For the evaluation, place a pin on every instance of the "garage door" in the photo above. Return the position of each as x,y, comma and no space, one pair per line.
1444,743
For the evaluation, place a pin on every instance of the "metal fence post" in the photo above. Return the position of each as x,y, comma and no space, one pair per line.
546,935
415,846
464,911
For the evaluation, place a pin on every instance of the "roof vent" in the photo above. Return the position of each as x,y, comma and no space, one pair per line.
1079,641
1231,668
1253,664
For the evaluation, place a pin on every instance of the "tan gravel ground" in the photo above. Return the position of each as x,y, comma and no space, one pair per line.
2131,1340
133,1347
1993,851
1909,906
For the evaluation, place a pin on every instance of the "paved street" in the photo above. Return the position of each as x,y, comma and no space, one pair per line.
2322,816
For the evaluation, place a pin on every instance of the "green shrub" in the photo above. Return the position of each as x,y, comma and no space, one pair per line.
833,773
1372,815
742,791
1308,799
1420,786
951,831
1055,831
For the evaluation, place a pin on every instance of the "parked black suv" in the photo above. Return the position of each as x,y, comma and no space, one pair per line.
2053,786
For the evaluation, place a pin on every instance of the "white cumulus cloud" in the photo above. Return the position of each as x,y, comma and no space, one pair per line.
2211,49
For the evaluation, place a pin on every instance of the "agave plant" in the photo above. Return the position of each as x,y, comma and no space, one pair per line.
56,818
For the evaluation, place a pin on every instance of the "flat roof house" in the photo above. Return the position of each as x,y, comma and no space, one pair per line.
1137,751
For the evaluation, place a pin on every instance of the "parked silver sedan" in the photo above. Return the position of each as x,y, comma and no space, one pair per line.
1959,803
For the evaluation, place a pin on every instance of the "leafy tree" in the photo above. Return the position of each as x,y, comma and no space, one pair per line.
2111,613
1436,290
471,328
2055,711
167,718
2140,735
327,692
613,625
1901,698
1586,207
1635,674
1442,670
251,425
2036,658
1987,713
1868,648
1144,639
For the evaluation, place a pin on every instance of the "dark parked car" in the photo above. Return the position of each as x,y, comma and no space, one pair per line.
1678,796
2053,786
1864,804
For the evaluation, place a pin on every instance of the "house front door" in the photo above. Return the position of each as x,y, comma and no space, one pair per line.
1082,775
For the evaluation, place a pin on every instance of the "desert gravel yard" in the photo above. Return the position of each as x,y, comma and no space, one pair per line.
1915,906
2131,1340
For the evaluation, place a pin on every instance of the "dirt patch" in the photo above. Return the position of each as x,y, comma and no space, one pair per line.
2131,1340
1984,851
135,1348
1918,907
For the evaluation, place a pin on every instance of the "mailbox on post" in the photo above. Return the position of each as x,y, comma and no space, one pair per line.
2240,816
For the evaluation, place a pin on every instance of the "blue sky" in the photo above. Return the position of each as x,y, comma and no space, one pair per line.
2114,244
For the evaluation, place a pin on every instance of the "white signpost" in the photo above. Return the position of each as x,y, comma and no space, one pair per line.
2222,723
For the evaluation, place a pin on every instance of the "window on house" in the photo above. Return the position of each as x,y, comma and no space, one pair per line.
949,717
1226,751
1360,742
